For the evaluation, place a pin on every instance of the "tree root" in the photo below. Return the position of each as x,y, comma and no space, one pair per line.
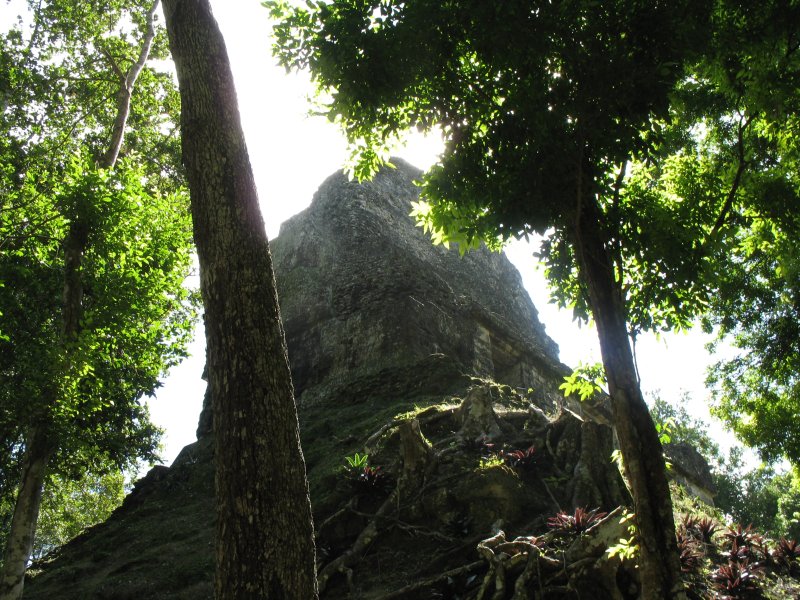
421,585
522,564
343,563
418,464
520,558
369,445
413,530
346,508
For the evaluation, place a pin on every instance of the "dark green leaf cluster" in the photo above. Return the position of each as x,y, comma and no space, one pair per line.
757,391
585,102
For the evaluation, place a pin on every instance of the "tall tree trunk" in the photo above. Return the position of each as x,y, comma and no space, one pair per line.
19,545
264,546
41,442
659,565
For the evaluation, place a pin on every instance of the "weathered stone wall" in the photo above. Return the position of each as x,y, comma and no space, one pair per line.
363,290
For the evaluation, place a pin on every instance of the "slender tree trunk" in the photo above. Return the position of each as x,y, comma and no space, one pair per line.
19,544
41,442
127,81
264,545
659,565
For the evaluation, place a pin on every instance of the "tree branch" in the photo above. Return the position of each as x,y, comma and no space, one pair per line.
737,179
114,65
126,90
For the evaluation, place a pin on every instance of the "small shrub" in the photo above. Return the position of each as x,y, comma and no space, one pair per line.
372,480
357,461
737,553
690,555
365,478
740,537
705,529
759,549
700,529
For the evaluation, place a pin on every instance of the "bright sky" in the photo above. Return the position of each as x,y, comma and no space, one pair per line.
292,154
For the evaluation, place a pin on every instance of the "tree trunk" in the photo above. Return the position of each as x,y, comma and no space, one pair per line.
19,544
264,546
41,442
659,565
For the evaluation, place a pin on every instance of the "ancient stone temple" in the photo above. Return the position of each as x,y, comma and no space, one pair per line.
434,365
367,301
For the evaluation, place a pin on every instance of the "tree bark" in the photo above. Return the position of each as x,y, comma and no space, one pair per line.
19,544
659,564
264,545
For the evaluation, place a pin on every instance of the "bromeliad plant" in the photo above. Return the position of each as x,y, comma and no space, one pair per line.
739,536
690,555
576,523
365,478
735,581
522,460
372,480
787,554
760,549
737,553
700,529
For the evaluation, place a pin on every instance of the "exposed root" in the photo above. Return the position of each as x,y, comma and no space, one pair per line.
370,445
521,563
418,463
339,513
431,581
343,563
427,497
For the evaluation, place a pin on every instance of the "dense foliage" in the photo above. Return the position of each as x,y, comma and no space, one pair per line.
757,391
644,140
764,496
71,506
95,240
518,119
566,134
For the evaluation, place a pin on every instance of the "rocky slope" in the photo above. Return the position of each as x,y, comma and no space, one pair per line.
435,366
